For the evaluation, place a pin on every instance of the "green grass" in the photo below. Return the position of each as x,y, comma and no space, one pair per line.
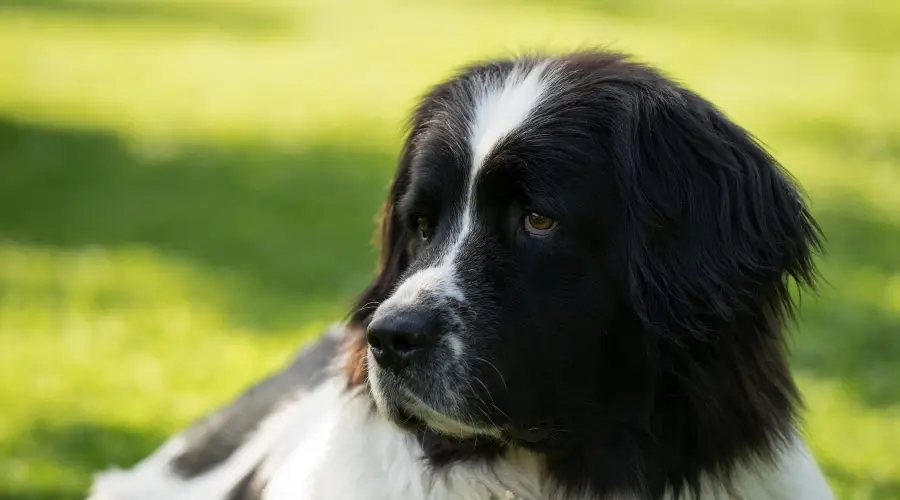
188,189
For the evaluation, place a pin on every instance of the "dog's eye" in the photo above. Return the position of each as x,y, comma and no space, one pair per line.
539,225
424,227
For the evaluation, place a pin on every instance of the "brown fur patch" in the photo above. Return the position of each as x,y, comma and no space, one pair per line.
355,351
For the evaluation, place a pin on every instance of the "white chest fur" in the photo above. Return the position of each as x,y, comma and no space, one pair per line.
339,450
328,445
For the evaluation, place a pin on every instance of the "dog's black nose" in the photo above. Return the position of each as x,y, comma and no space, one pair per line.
395,339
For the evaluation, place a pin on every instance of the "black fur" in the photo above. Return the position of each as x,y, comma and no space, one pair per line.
248,488
647,335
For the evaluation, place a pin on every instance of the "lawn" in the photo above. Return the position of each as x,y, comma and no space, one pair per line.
188,189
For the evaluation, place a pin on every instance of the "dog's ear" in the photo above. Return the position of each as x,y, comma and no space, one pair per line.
716,227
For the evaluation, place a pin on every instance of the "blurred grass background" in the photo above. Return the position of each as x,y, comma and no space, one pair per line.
188,189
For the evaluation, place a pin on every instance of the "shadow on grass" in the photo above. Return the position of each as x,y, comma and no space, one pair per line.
43,494
842,138
864,487
849,331
233,17
286,230
292,227
79,449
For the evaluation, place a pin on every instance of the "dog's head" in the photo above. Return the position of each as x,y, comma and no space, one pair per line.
576,250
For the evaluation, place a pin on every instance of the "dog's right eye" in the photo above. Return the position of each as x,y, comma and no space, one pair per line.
539,225
424,228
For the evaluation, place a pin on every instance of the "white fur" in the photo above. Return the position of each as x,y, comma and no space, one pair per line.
153,477
349,453
793,475
431,279
329,445
503,107
456,346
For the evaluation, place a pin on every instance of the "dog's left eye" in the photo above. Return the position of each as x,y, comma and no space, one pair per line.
539,225
424,228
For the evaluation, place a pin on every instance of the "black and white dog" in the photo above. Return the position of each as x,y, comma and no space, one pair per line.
582,295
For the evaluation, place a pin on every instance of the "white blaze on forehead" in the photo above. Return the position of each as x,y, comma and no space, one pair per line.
502,105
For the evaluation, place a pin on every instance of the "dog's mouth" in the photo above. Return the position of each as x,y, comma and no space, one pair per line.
441,448
410,411
440,444
445,434
406,420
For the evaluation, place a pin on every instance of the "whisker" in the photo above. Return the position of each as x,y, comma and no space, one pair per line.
502,379
492,404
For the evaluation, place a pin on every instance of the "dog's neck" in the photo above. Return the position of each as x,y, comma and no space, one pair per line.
463,469
441,450
368,457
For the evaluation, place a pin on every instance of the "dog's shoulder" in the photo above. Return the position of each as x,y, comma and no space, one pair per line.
215,437
194,455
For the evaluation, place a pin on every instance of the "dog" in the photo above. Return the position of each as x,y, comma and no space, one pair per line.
582,294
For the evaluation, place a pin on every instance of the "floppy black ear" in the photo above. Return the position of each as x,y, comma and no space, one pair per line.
716,227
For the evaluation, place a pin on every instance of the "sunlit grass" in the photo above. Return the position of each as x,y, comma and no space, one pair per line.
856,444
128,338
187,190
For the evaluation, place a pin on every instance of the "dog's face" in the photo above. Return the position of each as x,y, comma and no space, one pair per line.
507,222
557,224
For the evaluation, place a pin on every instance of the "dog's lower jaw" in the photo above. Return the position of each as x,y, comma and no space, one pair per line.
411,413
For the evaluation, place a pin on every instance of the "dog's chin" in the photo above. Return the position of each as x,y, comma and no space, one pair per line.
395,413
408,411
443,436
443,424
411,414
